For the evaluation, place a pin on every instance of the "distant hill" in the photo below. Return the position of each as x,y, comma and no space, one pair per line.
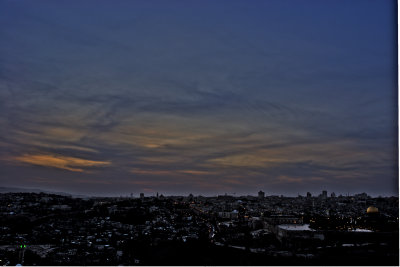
34,190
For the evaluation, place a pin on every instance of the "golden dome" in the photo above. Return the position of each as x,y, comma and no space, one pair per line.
372,209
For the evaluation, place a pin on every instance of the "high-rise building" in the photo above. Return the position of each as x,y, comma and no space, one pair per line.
141,195
333,194
324,194
261,195
308,194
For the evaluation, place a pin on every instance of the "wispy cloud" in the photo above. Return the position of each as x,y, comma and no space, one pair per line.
61,162
236,102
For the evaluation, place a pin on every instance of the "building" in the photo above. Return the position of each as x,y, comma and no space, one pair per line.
224,214
298,235
324,194
308,194
261,195
372,210
141,195
273,221
234,214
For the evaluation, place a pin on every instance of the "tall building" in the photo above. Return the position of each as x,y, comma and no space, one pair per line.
324,194
261,195
141,195
333,194
308,194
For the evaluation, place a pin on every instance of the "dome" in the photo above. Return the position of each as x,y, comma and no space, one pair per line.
372,209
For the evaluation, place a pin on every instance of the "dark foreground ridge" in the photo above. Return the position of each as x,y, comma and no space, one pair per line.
50,229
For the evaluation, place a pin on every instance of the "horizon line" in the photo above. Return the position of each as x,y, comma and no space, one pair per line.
153,194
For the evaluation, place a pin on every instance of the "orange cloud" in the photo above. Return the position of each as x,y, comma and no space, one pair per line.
60,162
336,153
170,172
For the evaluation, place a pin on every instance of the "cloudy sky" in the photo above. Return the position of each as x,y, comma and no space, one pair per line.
203,97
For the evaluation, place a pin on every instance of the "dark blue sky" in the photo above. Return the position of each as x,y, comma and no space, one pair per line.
208,97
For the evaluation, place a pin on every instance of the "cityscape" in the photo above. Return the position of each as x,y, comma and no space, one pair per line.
51,229
199,133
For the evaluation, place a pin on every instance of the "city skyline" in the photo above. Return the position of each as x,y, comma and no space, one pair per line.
156,194
101,98
51,229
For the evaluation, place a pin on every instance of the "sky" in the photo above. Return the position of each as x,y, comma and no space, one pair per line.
204,97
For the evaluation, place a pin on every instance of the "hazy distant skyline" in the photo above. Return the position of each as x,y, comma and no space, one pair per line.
202,97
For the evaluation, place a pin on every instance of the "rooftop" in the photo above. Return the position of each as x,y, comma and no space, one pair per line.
296,227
